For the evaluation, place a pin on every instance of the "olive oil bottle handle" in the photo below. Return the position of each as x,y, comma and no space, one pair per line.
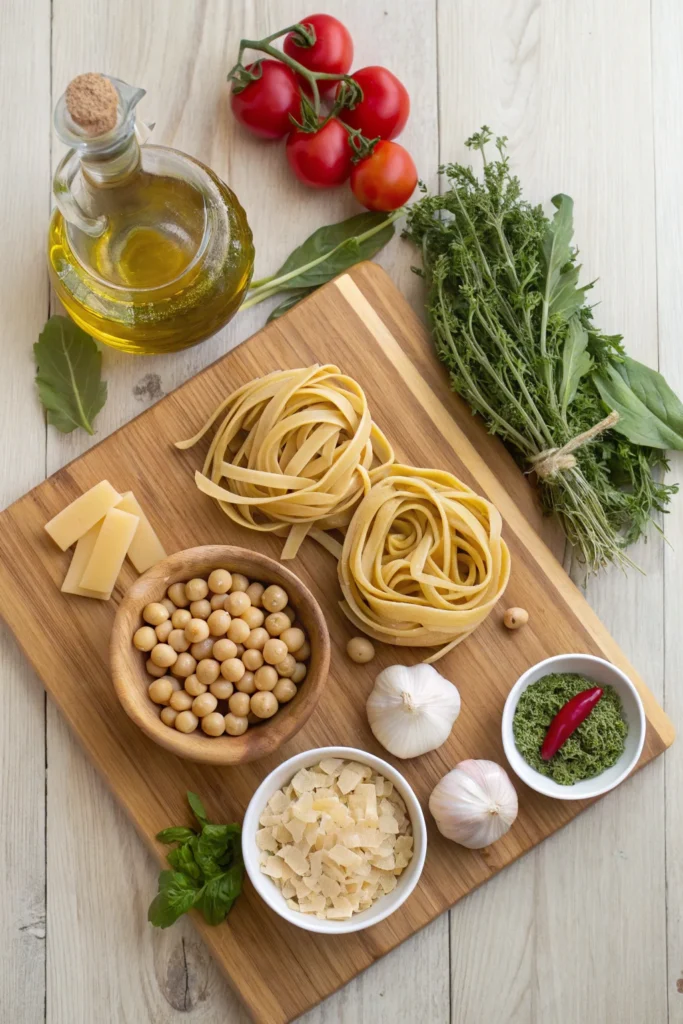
66,201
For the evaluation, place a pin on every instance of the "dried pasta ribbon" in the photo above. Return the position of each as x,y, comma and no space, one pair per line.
423,561
554,460
295,449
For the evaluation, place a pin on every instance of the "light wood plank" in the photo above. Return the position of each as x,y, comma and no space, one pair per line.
182,61
667,67
580,123
25,86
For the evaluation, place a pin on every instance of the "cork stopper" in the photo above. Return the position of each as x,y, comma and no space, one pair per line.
92,102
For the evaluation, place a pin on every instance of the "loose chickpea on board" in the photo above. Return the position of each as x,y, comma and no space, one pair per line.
224,653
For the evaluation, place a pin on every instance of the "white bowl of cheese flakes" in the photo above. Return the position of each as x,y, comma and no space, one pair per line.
334,840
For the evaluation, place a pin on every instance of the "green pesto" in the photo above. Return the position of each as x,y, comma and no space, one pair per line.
596,745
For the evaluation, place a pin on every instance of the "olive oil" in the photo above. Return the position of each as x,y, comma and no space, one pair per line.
148,249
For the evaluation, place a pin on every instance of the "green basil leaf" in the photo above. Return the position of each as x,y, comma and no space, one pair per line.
197,808
69,375
219,894
177,896
576,362
289,303
184,859
649,412
165,879
561,292
180,834
343,246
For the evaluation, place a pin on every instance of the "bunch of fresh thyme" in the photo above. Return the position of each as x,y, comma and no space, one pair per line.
511,323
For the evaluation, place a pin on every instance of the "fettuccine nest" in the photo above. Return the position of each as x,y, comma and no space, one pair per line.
423,561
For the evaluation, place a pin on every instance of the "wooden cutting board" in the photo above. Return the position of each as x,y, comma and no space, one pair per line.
361,323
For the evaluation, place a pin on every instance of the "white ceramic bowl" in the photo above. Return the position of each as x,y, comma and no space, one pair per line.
268,890
601,673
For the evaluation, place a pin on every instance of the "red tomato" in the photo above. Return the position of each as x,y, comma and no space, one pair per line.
385,105
331,53
386,179
265,105
320,159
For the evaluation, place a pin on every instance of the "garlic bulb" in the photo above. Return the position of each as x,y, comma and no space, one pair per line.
412,709
475,804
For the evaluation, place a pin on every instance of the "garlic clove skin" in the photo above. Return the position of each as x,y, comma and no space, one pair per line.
411,709
475,804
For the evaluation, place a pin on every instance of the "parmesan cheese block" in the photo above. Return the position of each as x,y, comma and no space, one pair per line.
110,548
145,549
81,557
77,518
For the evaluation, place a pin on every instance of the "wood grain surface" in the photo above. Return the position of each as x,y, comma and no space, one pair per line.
586,928
363,319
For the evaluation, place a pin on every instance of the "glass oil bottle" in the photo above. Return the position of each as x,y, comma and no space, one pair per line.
149,251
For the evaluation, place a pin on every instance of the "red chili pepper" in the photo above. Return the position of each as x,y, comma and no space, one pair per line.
567,719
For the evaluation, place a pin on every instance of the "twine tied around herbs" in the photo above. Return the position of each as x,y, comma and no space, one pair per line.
555,460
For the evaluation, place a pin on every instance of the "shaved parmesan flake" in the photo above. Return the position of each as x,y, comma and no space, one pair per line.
265,840
388,823
331,765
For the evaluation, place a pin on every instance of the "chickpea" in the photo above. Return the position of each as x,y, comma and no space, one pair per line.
285,668
184,666
213,724
304,652
235,726
186,721
220,581
252,660
204,704
238,631
239,650
155,613
180,618
163,631
299,673
263,705
284,691
202,649
254,592
196,589
360,650
276,623
180,700
200,609
217,601
274,651
144,638
290,613
160,690
239,704
196,630
218,622
222,689
176,592
265,678
257,639
274,599
253,617
237,603
224,649
208,671
246,684
239,583
155,670
178,641
294,638
168,716
163,655
193,686
515,618
232,670
168,605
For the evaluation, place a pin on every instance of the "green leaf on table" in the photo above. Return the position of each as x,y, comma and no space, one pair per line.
69,375
197,808
176,896
345,245
576,362
561,276
649,411
178,834
289,303
183,859
219,894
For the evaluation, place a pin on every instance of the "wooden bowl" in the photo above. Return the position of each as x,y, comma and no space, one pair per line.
131,679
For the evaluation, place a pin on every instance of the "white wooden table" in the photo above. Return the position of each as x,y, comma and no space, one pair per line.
587,929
